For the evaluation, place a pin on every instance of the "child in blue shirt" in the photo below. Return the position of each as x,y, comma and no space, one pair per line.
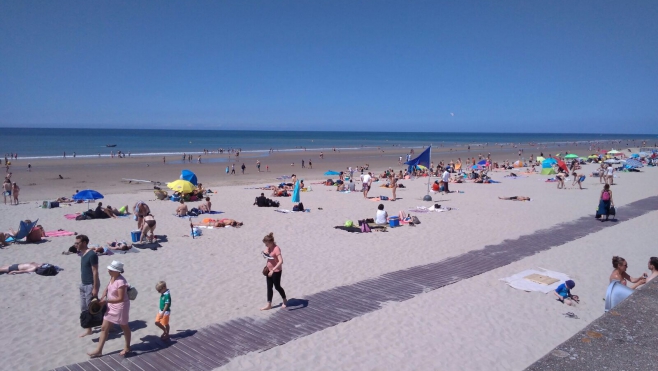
563,293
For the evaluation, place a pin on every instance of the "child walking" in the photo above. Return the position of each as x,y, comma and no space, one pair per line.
162,319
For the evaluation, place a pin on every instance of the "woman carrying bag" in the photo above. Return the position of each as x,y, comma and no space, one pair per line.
118,309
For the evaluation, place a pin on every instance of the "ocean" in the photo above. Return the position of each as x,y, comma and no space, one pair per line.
52,143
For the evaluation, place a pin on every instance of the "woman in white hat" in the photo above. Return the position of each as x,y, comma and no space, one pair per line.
118,308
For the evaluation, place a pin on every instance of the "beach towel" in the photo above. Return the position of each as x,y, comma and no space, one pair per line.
283,211
376,199
213,212
348,229
71,216
536,280
59,233
131,251
295,193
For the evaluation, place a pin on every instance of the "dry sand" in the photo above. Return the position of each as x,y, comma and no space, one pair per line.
479,323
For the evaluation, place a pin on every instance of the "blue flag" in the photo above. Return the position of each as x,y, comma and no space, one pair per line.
423,159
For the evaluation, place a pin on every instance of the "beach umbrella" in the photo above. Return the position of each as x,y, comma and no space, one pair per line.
482,162
88,195
571,155
562,166
182,186
612,161
548,163
189,176
642,154
540,158
635,155
331,172
631,163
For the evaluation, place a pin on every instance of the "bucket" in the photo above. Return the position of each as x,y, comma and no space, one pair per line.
394,221
135,236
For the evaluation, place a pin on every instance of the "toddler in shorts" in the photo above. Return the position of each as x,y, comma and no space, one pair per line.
162,319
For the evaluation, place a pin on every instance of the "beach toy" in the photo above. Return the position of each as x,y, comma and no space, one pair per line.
135,236
615,294
394,221
349,223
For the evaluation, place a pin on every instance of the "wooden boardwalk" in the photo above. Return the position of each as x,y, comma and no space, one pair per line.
216,345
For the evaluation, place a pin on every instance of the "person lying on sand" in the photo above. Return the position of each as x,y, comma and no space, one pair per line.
113,212
35,235
220,223
20,268
516,198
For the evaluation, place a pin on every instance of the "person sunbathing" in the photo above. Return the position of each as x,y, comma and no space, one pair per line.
113,212
226,222
20,268
181,210
206,206
516,198
35,235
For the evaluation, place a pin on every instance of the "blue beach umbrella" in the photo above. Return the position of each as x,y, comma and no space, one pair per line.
548,163
482,162
189,176
635,155
331,172
632,164
87,195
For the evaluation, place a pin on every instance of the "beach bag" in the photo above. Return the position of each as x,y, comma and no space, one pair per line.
266,271
295,208
193,212
88,320
415,220
47,270
132,292
365,228
613,211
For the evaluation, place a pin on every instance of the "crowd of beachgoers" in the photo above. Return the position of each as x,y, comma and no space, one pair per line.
111,305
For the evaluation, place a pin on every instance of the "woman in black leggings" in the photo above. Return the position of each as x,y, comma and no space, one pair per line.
274,262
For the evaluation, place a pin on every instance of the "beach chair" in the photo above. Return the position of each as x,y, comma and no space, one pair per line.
23,230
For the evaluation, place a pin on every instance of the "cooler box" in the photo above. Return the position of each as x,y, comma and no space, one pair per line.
394,221
135,236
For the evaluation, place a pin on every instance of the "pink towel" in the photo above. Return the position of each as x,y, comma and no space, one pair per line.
59,233
71,216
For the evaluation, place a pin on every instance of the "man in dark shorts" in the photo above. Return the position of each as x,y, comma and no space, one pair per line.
20,268
89,274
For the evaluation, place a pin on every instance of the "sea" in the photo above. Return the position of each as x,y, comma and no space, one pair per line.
42,143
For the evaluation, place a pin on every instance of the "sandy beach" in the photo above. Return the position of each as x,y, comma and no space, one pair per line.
476,324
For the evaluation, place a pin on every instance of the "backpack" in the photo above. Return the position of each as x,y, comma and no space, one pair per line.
295,208
605,196
47,270
415,220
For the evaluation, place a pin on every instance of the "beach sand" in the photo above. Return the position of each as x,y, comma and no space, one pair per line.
478,323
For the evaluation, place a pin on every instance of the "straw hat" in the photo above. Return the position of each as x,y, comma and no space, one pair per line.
116,266
95,306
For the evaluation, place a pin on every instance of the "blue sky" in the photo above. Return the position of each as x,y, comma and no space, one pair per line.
507,66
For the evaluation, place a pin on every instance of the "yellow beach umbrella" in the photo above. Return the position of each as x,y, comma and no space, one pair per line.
540,159
182,186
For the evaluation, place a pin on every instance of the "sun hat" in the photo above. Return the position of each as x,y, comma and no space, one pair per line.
116,266
94,306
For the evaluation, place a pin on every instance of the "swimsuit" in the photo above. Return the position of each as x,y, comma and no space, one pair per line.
150,223
12,268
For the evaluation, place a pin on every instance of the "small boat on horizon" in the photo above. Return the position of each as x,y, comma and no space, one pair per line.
110,145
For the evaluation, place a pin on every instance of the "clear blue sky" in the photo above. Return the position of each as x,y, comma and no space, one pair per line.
501,66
